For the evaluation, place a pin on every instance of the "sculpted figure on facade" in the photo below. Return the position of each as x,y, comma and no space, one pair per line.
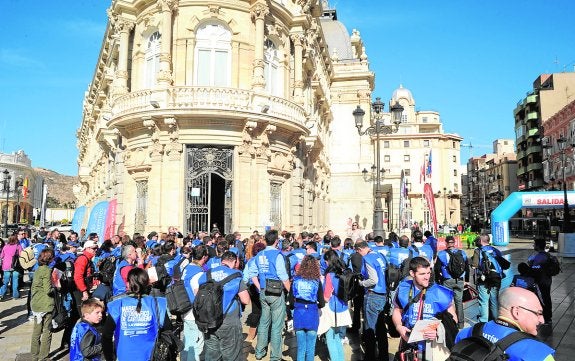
247,148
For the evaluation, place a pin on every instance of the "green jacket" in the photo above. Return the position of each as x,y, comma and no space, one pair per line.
41,288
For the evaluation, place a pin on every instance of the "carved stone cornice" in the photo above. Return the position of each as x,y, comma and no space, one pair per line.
174,149
165,76
137,160
259,11
281,164
297,38
167,5
123,25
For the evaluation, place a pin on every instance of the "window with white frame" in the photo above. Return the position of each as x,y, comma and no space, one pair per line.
152,57
386,143
426,143
213,59
272,76
406,158
386,158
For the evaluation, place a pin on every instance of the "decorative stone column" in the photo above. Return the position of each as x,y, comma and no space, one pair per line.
123,27
245,206
297,40
165,74
259,12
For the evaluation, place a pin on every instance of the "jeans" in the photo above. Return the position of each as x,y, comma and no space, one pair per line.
375,330
334,340
11,276
488,299
457,287
193,342
225,344
306,344
273,315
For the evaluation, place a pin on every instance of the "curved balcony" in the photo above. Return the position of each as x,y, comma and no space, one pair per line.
531,99
521,170
199,99
534,149
532,115
534,166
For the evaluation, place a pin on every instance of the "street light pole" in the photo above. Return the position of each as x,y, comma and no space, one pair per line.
378,128
6,186
444,206
566,215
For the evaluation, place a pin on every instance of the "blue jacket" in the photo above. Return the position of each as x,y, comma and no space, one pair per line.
85,343
118,284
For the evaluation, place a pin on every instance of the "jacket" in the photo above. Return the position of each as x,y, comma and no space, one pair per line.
41,301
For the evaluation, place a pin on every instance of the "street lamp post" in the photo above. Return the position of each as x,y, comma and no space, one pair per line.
566,215
17,188
6,188
378,128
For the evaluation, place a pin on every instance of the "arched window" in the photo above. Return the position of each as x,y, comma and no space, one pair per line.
272,76
213,60
152,60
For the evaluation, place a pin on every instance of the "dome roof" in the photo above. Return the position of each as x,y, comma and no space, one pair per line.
337,38
402,93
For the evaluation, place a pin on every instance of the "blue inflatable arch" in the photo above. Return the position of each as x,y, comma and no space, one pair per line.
517,200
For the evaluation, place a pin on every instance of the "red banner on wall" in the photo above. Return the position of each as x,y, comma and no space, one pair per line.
429,197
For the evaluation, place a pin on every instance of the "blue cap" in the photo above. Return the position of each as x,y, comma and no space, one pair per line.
73,244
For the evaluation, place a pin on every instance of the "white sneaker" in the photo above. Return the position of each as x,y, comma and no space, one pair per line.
345,340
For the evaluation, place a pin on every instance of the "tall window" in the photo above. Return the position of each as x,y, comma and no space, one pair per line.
152,60
272,69
213,59
275,198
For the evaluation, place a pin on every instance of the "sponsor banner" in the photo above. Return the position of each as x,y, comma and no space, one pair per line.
78,218
111,219
97,221
430,198
541,200
500,234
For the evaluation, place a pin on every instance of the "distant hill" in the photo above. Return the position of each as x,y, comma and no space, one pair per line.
60,188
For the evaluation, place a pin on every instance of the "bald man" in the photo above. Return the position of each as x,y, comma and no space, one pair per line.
519,310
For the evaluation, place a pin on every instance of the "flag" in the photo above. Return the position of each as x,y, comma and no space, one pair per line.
25,186
428,170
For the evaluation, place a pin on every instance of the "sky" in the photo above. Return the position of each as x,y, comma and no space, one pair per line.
471,61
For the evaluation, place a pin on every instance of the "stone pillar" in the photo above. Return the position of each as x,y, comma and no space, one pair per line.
297,40
259,11
165,74
123,27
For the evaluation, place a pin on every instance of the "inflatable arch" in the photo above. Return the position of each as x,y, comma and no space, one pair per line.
517,200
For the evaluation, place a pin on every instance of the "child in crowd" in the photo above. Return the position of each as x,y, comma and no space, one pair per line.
86,341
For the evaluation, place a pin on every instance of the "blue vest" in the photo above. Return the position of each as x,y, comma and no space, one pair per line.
214,262
442,256
169,265
118,284
425,251
266,264
135,333
397,255
524,350
384,250
378,262
231,288
432,242
81,329
491,254
437,299
335,304
187,274
305,289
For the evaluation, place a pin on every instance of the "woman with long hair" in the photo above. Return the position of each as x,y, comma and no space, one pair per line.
134,320
306,298
338,310
253,319
42,304
11,274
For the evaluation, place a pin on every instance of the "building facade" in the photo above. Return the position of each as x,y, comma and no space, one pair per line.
238,114
551,92
20,189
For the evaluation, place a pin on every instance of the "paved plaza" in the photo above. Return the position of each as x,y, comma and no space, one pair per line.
15,330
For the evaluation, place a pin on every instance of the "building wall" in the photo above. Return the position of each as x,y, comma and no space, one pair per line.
20,169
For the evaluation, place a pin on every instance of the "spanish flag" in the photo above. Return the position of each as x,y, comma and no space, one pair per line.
25,188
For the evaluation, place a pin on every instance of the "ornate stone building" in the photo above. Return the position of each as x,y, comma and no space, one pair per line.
235,113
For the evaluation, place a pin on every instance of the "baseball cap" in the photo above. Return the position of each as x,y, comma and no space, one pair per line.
90,244
73,244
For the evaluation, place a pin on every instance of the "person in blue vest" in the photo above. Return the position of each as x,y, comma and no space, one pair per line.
336,246
455,284
380,246
374,328
193,337
134,319
270,266
431,241
401,253
537,262
305,299
356,262
311,249
416,299
337,307
253,319
224,344
130,259
152,239
421,249
393,239
488,281
519,311
86,342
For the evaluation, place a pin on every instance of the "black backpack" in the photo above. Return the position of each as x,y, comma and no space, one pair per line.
106,270
176,295
348,287
208,304
456,264
478,348
552,267
394,274
60,316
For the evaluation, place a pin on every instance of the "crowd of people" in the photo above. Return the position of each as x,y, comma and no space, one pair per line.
113,294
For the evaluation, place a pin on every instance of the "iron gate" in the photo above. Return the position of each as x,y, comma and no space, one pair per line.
208,180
